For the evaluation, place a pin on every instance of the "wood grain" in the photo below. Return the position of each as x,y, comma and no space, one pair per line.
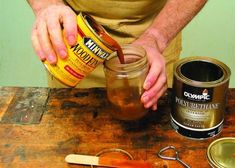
78,121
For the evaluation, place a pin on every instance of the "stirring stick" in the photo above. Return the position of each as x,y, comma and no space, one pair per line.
106,161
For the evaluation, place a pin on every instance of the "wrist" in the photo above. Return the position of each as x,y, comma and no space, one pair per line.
37,6
160,37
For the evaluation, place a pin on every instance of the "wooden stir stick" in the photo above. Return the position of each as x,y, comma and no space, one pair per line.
106,161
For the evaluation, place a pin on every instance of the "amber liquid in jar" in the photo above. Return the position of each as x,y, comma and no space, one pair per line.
124,83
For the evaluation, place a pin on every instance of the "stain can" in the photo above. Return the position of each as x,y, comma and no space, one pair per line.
91,49
200,85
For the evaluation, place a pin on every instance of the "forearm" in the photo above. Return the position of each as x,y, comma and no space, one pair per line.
37,5
173,18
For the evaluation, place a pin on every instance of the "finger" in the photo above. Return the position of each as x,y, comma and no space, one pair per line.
55,34
154,107
36,45
153,100
45,42
70,26
155,70
151,96
151,79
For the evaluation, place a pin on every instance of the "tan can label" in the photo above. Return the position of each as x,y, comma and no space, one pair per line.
83,58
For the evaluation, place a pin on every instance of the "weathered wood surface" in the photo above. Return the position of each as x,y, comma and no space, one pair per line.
78,121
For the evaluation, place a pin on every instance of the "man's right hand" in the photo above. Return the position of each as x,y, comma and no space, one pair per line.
47,35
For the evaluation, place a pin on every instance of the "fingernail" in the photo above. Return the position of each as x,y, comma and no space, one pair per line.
145,99
146,106
147,85
154,107
51,59
71,39
41,55
63,54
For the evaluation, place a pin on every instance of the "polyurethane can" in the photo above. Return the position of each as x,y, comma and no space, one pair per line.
90,51
199,96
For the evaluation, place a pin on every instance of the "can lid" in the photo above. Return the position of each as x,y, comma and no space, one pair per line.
221,153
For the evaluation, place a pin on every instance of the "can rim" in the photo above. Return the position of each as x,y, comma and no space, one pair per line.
57,77
210,159
128,67
226,71
101,29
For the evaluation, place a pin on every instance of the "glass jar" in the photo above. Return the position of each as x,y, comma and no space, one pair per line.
124,82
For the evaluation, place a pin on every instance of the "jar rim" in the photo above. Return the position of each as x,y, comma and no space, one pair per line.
130,50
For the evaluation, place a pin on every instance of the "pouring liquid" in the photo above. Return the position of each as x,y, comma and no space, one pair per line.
125,99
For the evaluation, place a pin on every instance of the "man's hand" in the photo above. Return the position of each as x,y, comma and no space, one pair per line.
47,35
168,23
155,83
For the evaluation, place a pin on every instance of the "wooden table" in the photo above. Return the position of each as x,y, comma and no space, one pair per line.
40,126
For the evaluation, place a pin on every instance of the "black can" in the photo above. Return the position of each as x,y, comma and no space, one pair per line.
199,96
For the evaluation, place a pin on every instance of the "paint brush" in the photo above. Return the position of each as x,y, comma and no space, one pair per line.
106,161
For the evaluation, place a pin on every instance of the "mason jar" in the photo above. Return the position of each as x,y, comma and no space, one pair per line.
124,82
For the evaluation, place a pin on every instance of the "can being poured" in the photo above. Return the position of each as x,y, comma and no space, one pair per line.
93,46
199,96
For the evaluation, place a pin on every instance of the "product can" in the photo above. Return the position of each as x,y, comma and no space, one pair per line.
91,49
199,96
221,153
